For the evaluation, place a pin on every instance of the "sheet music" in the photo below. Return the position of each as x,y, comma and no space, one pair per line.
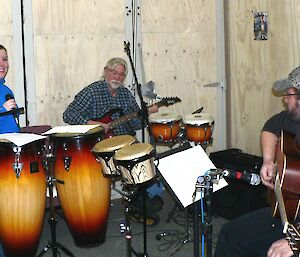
182,169
20,139
76,129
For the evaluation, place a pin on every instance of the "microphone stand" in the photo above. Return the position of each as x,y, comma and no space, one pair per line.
144,109
145,121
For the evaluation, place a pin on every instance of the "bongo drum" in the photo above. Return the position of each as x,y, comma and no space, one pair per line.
105,149
165,126
22,197
85,194
199,127
136,163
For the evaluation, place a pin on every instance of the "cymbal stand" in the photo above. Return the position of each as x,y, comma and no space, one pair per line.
53,244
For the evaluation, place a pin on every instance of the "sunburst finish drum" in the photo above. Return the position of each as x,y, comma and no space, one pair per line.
85,194
165,126
199,127
22,197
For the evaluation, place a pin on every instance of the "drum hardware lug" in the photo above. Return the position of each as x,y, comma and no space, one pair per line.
67,162
18,166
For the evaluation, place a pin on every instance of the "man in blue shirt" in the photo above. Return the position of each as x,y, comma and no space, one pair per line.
8,123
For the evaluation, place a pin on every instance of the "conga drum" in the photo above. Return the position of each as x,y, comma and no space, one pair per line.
136,163
165,126
105,150
85,193
199,127
22,197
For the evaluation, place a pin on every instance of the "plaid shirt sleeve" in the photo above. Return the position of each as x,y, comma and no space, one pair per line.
77,113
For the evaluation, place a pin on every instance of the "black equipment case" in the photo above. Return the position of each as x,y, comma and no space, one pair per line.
238,197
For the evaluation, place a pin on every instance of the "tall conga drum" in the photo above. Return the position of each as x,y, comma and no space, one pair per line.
22,197
85,193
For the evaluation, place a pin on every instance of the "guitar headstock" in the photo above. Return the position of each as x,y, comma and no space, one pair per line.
293,236
167,101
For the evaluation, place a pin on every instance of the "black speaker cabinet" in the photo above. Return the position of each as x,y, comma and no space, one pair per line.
238,197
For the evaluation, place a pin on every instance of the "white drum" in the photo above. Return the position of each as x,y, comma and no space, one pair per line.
136,163
165,126
199,127
105,150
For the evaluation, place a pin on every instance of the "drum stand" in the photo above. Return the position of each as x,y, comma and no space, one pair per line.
53,244
127,228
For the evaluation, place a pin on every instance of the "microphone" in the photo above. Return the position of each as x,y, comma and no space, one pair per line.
250,178
8,97
13,111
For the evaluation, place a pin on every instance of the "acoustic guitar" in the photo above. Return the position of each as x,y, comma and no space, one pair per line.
287,202
288,174
107,118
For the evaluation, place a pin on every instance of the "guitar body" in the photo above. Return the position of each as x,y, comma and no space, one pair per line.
107,118
288,168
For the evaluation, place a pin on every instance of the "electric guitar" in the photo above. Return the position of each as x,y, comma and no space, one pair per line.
287,159
107,118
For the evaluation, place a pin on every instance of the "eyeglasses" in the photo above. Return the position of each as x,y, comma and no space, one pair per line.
291,94
115,73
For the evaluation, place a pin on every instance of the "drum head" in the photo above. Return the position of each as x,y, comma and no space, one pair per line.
113,143
164,117
95,130
198,119
131,152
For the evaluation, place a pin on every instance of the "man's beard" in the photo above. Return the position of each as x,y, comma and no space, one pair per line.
115,84
295,113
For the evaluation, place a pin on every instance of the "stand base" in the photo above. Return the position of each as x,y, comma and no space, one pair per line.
55,247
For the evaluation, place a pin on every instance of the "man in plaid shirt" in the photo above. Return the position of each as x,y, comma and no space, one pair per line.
99,98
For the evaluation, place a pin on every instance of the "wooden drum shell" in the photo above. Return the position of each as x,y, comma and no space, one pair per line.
22,200
85,194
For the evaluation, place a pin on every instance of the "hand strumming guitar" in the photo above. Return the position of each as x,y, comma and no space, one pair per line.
268,145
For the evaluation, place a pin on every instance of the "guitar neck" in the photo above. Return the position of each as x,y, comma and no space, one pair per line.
115,123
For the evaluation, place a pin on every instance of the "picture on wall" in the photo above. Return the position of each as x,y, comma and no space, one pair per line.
260,26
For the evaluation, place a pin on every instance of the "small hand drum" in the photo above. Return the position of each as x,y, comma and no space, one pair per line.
105,150
199,127
136,163
165,126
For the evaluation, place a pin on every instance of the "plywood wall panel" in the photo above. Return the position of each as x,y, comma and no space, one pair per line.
65,65
179,49
178,15
78,16
255,65
6,17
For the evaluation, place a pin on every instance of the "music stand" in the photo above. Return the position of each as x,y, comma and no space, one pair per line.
196,162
